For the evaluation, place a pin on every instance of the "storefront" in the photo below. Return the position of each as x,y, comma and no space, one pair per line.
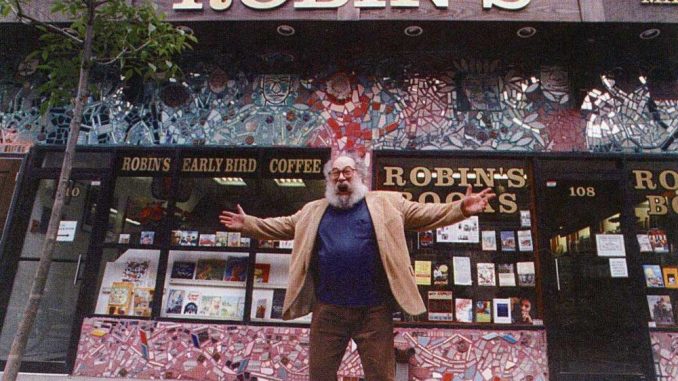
569,113
146,284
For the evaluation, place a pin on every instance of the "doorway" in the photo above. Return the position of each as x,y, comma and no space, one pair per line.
51,334
595,330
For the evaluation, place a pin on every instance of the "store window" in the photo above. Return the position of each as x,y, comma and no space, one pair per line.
168,221
654,190
481,270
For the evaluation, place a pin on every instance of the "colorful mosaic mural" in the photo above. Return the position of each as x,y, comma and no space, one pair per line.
467,105
665,353
167,350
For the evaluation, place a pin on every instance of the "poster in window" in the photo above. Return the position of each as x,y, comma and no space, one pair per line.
462,271
658,240
441,273
466,231
610,245
486,275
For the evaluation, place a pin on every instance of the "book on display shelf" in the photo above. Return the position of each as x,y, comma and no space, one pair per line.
525,240
234,239
175,301
506,275
192,303
260,309
236,269
210,269
232,307
670,276
261,272
120,298
210,305
189,238
422,273
508,240
501,311
277,305
123,239
175,238
463,309
483,311
658,240
653,276
143,297
425,239
644,243
661,310
207,240
146,237
522,310
486,274
221,239
182,270
441,273
440,307
489,240
526,274
462,271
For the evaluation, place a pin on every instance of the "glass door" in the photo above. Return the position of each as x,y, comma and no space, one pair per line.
594,327
51,333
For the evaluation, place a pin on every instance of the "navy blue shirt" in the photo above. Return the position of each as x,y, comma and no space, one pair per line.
347,267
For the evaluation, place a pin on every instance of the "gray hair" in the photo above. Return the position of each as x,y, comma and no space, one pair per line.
360,165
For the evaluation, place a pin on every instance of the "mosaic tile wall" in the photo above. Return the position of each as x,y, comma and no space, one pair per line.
665,353
212,352
371,103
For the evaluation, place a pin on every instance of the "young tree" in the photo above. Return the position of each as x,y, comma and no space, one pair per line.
135,41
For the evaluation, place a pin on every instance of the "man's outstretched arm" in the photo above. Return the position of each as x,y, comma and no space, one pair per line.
426,216
280,228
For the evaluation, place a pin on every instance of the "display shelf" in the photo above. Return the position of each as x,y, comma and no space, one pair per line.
460,325
212,249
269,286
206,283
193,317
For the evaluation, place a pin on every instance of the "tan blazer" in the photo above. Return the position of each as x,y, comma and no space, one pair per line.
391,216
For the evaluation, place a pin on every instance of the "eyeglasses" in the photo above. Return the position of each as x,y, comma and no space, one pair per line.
347,172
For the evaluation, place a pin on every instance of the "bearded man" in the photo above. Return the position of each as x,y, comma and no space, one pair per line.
350,264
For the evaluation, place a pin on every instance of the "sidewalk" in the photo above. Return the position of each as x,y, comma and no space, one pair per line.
57,377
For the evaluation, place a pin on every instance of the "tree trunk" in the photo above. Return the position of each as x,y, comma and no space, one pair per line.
40,279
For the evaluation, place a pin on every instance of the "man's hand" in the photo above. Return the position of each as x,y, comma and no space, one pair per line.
474,203
233,221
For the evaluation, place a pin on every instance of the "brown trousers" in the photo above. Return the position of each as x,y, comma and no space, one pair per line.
370,327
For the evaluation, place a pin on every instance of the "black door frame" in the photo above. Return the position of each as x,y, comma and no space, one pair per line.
618,174
17,224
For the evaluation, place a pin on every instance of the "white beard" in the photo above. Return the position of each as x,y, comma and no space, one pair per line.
358,192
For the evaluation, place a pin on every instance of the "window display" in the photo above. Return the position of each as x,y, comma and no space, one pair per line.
205,285
268,289
483,264
173,208
128,284
653,188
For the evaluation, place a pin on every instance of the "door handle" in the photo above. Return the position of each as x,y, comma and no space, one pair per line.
77,270
557,274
